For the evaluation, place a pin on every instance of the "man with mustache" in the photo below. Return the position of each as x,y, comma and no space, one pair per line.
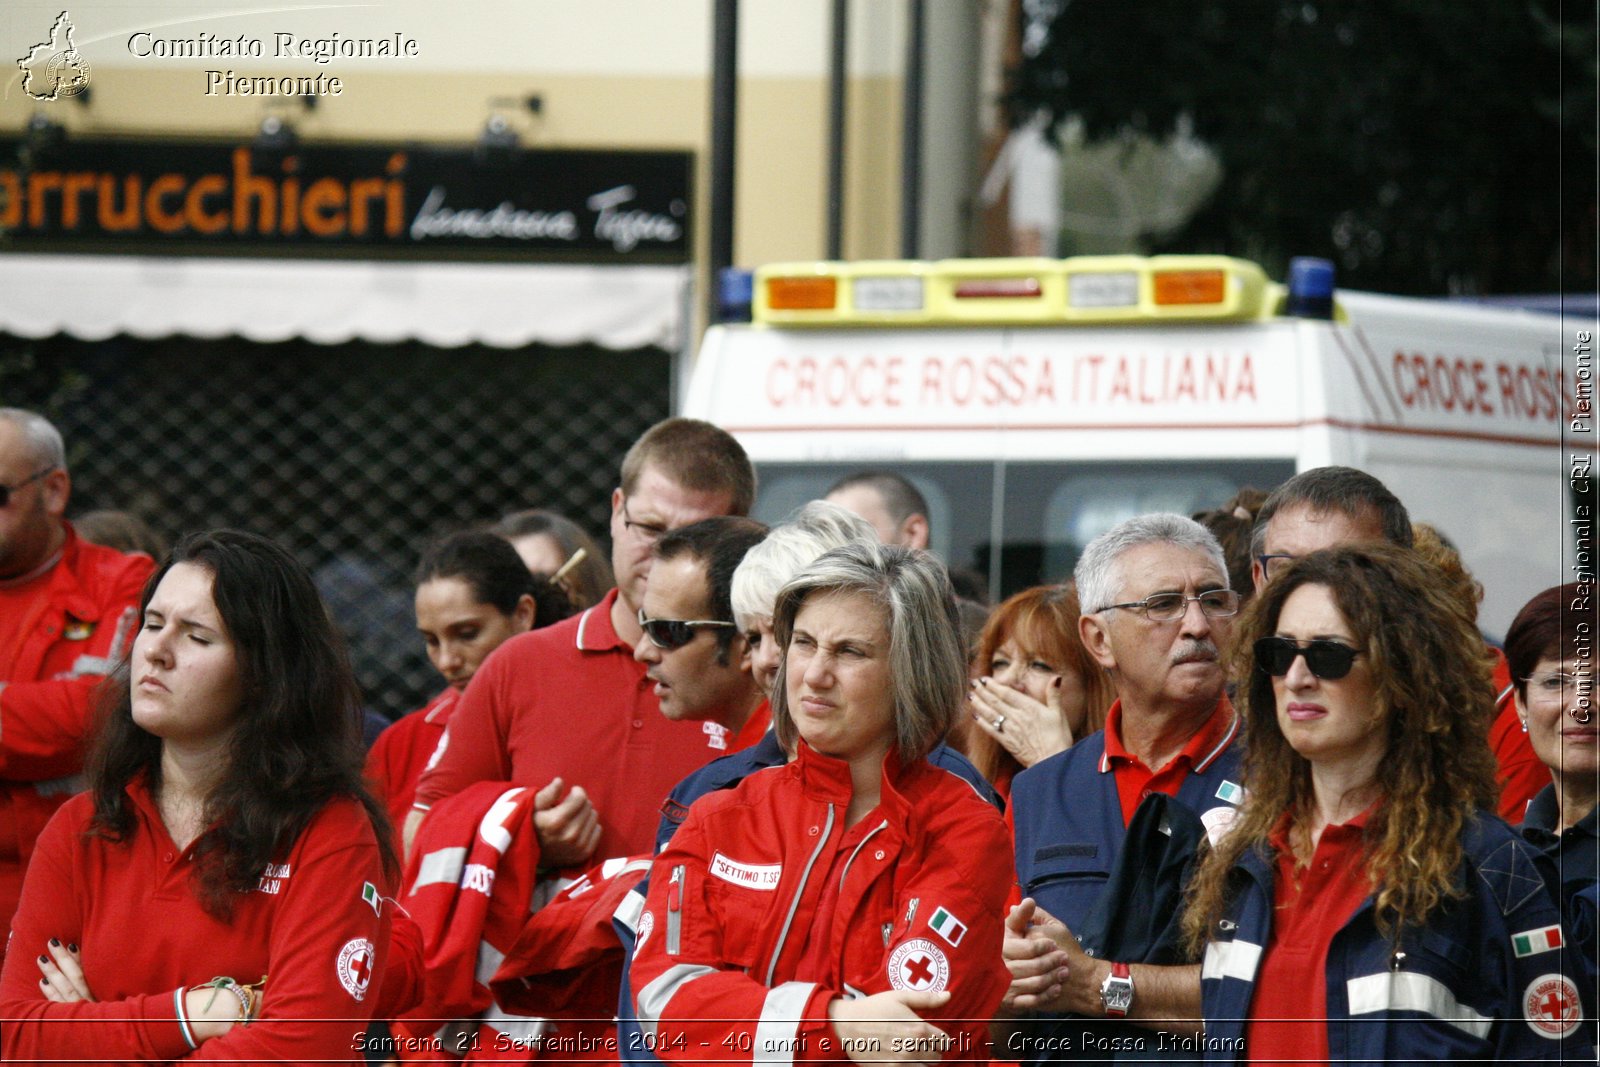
1157,611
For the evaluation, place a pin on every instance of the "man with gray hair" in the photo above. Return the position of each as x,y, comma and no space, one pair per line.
68,613
1157,612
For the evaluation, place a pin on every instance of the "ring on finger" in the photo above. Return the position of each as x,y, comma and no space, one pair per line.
999,723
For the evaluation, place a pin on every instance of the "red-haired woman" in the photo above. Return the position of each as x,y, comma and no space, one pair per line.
1038,690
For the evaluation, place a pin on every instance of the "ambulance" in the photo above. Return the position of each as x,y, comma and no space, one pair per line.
1037,402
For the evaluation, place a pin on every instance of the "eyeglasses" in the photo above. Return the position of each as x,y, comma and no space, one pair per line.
669,635
1328,660
1553,684
1165,607
648,532
1266,562
7,490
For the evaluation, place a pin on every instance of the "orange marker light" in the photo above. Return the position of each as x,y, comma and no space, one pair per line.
1190,287
802,294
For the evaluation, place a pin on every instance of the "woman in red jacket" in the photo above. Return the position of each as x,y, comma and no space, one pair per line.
847,903
219,892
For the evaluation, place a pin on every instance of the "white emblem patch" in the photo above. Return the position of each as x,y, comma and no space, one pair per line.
1551,1006
356,960
647,923
919,965
1218,821
762,876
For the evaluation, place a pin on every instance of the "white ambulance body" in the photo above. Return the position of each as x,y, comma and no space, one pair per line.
1031,439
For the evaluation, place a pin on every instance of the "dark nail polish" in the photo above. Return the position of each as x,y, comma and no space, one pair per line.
43,960
72,949
54,943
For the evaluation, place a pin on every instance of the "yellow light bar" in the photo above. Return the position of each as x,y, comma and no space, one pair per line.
1083,290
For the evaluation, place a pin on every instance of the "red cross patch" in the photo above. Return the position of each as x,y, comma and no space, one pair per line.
355,966
1551,1005
919,965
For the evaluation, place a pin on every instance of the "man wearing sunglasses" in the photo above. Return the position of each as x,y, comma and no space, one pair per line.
567,710
67,615
699,662
1158,611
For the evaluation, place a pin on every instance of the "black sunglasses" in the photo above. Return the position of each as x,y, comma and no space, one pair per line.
7,490
1328,660
670,635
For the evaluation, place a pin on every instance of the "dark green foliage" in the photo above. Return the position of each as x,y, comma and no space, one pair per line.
1426,146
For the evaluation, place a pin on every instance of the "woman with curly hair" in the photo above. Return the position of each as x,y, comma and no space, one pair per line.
1366,905
219,892
1038,690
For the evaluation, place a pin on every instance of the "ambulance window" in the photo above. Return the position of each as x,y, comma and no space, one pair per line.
1091,500
952,529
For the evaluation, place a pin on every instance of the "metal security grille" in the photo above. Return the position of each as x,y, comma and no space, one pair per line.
353,456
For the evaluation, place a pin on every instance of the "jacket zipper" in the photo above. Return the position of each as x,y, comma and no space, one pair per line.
794,905
675,911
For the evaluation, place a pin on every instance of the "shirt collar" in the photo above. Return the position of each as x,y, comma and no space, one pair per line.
595,632
1206,744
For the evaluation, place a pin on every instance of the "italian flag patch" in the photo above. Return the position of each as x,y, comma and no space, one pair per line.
369,893
1533,942
948,927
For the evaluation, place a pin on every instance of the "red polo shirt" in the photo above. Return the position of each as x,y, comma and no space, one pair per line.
400,755
1288,1014
570,701
1135,781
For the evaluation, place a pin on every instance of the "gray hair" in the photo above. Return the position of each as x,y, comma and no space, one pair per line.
44,440
927,664
1100,578
806,533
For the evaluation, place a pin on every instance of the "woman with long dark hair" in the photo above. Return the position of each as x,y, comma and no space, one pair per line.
473,593
1367,906
219,892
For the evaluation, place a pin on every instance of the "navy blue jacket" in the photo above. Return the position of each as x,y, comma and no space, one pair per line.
1069,836
725,773
1455,989
1575,854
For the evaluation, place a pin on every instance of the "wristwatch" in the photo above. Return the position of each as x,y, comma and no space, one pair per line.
1116,992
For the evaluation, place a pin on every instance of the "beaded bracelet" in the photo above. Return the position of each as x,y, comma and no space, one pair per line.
241,993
